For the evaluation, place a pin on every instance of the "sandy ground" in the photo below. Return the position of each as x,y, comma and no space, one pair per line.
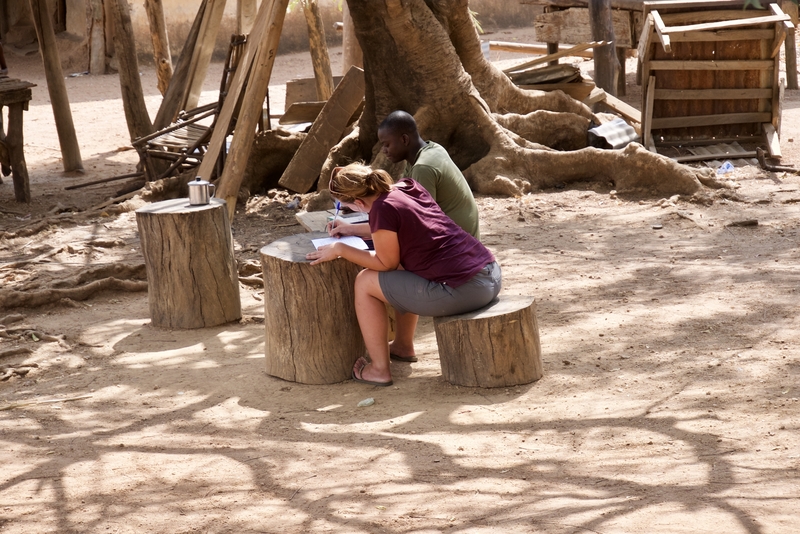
669,401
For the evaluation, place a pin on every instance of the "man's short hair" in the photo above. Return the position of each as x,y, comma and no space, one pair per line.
399,122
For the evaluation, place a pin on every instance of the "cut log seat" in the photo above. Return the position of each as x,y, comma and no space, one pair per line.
495,346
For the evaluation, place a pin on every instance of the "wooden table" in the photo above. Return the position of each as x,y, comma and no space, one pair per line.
312,334
15,94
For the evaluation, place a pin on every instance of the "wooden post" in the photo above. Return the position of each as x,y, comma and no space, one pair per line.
97,46
158,34
14,141
130,82
252,109
352,56
173,98
56,87
790,8
495,346
245,16
201,55
605,57
319,50
192,280
311,329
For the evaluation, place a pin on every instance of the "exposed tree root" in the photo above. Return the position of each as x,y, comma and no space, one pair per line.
14,351
10,298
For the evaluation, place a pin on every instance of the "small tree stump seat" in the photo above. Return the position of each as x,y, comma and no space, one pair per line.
312,333
495,346
192,280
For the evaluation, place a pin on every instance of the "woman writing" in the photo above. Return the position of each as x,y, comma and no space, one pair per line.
423,264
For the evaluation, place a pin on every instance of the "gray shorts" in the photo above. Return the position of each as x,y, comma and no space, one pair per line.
410,293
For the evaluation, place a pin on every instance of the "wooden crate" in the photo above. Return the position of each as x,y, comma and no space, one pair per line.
710,71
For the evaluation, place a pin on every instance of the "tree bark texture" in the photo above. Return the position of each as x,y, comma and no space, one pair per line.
136,114
424,57
97,44
312,333
319,50
351,49
160,38
191,269
56,86
496,346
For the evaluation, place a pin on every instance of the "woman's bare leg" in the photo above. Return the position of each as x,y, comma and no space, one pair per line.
403,344
374,323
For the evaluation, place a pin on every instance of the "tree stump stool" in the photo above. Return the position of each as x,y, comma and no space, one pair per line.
312,333
495,346
192,280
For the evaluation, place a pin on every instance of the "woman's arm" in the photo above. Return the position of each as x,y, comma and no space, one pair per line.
385,257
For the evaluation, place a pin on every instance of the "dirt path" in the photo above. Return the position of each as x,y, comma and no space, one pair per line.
669,401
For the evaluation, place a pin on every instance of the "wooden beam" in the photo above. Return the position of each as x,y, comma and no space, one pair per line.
572,51
647,114
737,64
716,155
722,24
158,34
245,16
305,166
201,55
252,107
627,111
712,94
56,86
136,114
724,35
661,31
523,48
173,98
710,120
220,133
319,50
97,39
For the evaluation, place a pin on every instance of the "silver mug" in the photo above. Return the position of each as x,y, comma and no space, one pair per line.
200,192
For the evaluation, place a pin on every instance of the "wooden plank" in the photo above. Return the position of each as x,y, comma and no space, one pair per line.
711,94
245,16
719,25
712,156
561,73
572,26
201,55
709,120
300,112
546,59
597,95
694,17
630,5
753,64
524,48
627,111
304,90
252,107
773,142
304,168
319,50
715,141
661,31
724,35
220,133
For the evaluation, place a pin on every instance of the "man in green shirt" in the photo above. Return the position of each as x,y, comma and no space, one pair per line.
429,164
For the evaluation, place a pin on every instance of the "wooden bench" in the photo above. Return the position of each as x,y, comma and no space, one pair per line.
496,346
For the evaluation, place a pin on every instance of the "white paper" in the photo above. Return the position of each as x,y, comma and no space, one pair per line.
352,240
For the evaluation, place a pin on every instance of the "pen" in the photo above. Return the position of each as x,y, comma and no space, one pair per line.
338,206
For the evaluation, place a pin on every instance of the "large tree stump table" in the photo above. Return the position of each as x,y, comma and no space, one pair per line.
14,94
192,280
312,333
495,346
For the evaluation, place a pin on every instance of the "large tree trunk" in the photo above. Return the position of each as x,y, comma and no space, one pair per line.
424,57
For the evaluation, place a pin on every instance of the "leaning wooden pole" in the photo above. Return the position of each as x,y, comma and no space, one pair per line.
252,108
245,16
136,114
605,57
352,55
319,50
173,98
160,38
70,151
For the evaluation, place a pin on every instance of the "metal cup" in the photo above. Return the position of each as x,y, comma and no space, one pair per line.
200,192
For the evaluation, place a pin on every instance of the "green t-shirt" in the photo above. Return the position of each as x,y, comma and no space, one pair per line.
437,173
